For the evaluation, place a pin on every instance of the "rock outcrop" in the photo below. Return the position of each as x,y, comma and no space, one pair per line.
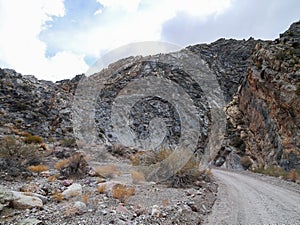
265,113
36,106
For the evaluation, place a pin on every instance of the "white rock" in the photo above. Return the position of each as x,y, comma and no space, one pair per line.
155,211
80,207
22,201
72,191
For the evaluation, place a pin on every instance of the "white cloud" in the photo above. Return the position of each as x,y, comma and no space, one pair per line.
130,21
127,5
20,47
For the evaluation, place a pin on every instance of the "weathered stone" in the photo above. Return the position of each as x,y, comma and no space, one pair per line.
72,191
23,201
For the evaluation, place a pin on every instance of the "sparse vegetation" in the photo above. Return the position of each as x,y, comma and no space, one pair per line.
33,139
101,188
137,177
38,168
276,171
17,155
293,175
53,177
57,196
75,165
183,178
107,171
85,197
122,192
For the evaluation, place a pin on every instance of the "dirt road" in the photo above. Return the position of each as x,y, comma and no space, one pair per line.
244,199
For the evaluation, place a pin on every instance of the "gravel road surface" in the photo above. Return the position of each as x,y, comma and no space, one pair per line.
249,199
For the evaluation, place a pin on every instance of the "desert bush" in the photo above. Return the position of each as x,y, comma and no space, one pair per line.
33,139
101,188
246,162
293,175
107,171
38,168
76,165
183,178
122,192
85,197
137,177
57,197
53,177
17,156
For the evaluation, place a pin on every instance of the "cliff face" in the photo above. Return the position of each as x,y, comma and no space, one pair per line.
260,81
265,113
270,101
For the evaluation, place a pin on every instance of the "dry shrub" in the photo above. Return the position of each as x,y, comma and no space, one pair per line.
208,172
17,156
76,165
70,211
101,188
107,171
61,164
85,197
38,168
183,178
122,192
246,161
57,196
165,202
33,139
53,177
137,177
293,175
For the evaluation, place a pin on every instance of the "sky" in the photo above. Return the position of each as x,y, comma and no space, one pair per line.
57,39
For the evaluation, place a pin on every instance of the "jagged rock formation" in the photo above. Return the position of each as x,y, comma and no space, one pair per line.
36,106
259,79
265,113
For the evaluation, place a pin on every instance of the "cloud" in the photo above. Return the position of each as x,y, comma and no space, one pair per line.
115,23
243,19
127,5
20,46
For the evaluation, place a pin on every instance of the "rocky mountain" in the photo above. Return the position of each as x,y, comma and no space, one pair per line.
260,82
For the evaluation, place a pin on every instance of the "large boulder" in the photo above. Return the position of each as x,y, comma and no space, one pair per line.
25,201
